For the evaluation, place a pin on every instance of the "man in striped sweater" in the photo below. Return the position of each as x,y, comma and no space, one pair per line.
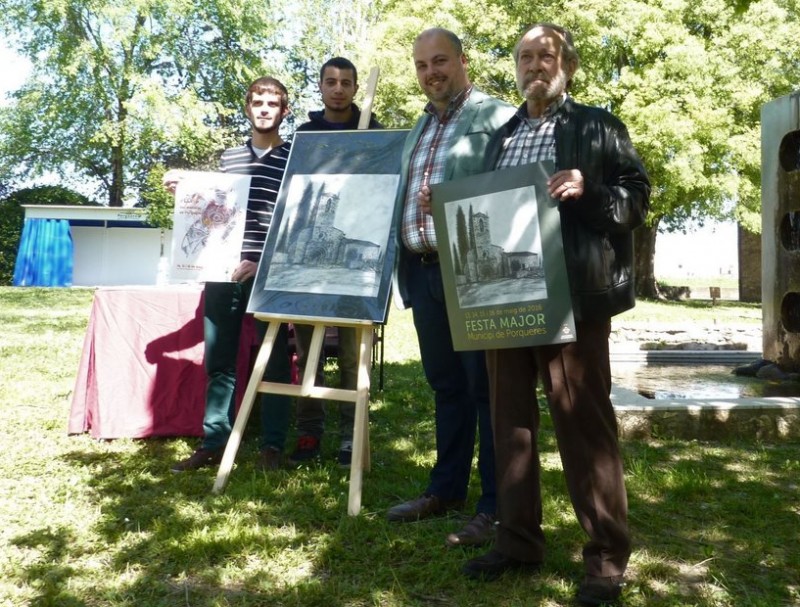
263,157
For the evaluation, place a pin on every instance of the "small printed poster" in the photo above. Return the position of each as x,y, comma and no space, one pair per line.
502,260
208,226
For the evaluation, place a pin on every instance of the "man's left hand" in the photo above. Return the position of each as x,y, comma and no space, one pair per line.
565,184
246,269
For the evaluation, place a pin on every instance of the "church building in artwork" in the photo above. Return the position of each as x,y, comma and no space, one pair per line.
314,240
478,260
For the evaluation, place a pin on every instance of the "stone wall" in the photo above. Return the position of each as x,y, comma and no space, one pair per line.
711,422
749,249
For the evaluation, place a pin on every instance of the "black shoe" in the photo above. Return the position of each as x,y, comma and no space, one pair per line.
202,458
307,449
424,506
479,531
345,456
270,459
493,564
600,590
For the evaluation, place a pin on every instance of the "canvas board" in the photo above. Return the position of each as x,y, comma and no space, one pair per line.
208,226
502,260
330,250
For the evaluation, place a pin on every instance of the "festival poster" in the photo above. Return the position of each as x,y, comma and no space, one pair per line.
208,226
502,260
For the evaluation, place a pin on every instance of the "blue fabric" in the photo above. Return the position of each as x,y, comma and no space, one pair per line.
44,257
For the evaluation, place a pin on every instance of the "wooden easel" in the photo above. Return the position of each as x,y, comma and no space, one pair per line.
360,396
365,332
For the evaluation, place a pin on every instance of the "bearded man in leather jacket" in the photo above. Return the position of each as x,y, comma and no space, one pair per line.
603,193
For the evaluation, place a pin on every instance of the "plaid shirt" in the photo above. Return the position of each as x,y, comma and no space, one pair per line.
426,167
533,140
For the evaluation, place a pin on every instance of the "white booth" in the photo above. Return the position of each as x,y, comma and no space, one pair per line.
89,246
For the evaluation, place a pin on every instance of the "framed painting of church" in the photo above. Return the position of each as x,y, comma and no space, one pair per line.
330,249
502,259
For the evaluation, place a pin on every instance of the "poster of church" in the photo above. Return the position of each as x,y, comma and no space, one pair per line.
330,249
500,248
208,226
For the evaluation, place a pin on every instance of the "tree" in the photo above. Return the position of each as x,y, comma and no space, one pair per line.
484,29
12,216
118,89
687,77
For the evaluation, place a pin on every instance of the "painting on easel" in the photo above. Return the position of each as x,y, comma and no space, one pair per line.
330,250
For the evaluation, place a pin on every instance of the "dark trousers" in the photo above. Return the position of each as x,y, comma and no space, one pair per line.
311,411
461,393
224,309
577,382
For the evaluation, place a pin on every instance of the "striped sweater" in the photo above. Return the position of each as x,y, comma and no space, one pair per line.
266,175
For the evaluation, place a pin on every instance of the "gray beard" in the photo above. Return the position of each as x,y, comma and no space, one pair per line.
554,88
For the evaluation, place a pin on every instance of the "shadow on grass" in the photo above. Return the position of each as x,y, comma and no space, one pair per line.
713,531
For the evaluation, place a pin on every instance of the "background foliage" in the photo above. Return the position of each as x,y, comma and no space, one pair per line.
119,93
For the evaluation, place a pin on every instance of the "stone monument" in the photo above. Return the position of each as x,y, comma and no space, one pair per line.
780,231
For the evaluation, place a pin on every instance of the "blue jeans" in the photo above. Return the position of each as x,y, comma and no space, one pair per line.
224,309
461,393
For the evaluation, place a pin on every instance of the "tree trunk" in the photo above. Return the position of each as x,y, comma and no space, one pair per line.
117,190
644,254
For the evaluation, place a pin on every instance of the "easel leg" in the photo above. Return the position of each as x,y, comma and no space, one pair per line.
235,439
360,461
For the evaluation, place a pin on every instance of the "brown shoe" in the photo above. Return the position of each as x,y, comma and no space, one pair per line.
600,590
202,458
479,531
423,507
270,459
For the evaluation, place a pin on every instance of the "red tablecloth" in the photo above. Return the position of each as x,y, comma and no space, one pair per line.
141,373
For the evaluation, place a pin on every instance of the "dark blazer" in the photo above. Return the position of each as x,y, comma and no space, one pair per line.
481,117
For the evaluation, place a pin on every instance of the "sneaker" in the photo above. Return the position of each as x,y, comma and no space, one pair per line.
345,453
270,459
306,450
202,458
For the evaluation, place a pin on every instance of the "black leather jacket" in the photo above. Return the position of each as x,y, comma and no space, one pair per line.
597,229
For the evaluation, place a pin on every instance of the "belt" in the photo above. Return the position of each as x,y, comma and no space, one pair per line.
429,259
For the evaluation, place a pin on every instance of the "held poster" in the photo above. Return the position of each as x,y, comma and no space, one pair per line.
502,260
208,226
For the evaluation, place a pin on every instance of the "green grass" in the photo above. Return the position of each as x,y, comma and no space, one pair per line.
693,310
87,523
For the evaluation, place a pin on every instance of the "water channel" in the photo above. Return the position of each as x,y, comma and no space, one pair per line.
695,381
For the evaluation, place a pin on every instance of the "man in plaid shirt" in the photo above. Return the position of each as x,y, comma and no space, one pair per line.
603,193
447,142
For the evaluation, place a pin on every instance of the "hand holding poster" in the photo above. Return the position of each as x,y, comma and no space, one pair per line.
208,226
502,260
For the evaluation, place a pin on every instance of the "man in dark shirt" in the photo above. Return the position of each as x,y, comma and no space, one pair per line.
338,84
